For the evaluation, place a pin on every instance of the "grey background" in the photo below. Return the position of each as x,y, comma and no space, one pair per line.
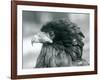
32,21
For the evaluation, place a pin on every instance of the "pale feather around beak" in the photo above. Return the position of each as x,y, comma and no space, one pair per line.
41,37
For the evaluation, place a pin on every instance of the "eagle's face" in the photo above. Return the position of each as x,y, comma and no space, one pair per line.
43,37
61,32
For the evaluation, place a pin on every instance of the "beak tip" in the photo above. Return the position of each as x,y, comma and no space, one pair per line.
32,42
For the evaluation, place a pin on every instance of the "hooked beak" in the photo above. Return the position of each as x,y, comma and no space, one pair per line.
41,37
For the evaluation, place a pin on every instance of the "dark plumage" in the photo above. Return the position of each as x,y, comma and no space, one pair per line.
63,45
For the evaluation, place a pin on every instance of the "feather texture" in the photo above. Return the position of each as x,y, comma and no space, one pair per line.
67,44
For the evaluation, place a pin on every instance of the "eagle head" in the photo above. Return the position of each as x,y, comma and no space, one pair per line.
60,37
59,31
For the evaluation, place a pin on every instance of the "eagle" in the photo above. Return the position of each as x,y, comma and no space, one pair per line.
62,44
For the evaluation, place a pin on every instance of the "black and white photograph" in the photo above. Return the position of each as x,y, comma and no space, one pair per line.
53,39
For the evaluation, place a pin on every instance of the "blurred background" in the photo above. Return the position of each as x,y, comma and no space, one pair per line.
32,22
